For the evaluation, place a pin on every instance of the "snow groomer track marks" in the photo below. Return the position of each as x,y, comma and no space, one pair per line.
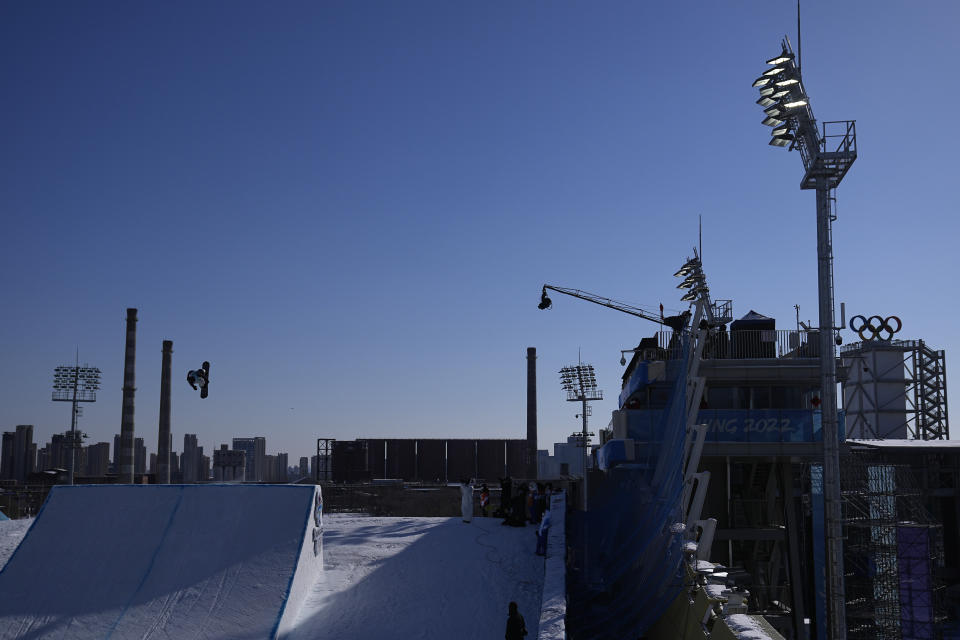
163,561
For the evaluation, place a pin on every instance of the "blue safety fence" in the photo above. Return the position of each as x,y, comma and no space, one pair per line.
632,532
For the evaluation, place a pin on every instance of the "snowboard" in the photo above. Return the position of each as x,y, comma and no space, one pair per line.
205,389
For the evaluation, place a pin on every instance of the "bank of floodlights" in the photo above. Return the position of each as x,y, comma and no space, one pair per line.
782,96
85,381
580,382
693,279
688,267
75,384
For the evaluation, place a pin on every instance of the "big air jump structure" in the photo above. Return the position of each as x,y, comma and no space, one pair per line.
164,561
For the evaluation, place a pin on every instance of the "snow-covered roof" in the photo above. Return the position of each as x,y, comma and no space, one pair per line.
715,591
746,627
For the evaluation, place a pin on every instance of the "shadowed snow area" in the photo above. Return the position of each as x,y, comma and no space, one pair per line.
421,578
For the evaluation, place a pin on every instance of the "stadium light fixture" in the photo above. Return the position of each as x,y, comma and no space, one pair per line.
777,111
74,385
782,140
691,280
824,168
786,56
688,267
580,383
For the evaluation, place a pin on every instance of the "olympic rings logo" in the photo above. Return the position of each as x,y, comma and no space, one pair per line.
870,330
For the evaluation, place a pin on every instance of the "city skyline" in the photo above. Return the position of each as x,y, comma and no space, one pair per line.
99,459
349,210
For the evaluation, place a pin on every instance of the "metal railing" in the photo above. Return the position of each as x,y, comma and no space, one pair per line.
747,344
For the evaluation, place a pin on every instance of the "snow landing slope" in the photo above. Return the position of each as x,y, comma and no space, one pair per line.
163,561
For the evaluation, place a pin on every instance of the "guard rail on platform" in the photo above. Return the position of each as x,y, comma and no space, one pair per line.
747,344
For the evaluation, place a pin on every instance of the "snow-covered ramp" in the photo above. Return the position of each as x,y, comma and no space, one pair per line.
421,579
163,561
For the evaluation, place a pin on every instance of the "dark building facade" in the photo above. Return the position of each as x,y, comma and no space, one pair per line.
428,459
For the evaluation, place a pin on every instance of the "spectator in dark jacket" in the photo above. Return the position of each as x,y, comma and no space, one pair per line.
516,627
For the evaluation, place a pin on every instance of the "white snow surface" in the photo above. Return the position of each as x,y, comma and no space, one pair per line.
161,561
11,533
421,578
746,627
418,578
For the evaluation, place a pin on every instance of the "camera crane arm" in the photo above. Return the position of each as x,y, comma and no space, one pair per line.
546,303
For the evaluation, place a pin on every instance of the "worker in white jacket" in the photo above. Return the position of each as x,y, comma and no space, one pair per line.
466,501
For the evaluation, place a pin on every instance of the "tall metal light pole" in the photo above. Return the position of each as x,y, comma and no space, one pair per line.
580,383
827,157
75,384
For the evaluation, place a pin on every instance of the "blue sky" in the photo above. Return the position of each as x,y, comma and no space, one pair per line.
349,207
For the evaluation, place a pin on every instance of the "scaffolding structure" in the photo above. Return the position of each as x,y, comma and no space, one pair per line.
892,550
895,389
323,468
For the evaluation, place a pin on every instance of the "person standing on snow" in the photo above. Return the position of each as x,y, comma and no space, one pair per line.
484,500
542,532
516,627
466,501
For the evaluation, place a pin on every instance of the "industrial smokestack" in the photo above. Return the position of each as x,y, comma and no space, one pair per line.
163,438
125,457
531,413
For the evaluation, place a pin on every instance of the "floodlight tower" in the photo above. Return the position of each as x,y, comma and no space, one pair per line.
580,383
827,157
75,384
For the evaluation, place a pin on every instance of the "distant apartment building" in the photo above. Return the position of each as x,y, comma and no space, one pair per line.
256,450
53,455
98,460
6,455
275,468
139,457
229,465
175,476
280,468
304,468
269,473
567,459
18,458
191,464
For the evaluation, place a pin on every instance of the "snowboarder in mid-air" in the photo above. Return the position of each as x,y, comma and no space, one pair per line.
200,378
